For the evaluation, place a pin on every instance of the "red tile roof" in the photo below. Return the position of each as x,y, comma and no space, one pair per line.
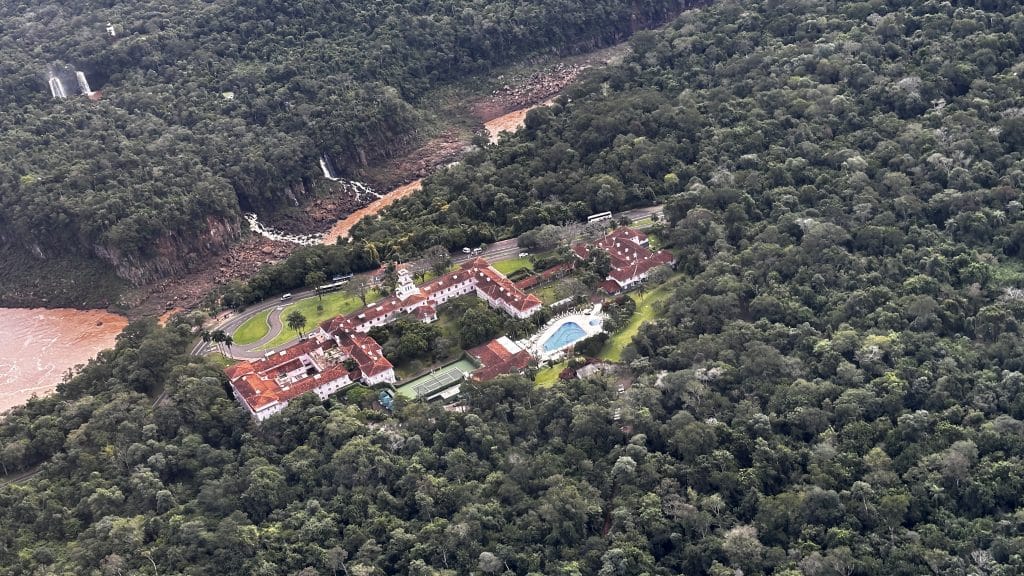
628,257
256,381
490,353
546,275
365,351
445,281
338,323
495,359
497,287
426,311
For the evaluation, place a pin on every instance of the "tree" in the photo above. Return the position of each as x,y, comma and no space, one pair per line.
439,258
659,275
477,325
743,548
315,279
599,262
490,564
221,337
359,287
389,278
336,557
570,288
371,250
296,321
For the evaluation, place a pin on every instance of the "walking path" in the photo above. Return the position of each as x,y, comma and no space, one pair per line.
501,250
256,349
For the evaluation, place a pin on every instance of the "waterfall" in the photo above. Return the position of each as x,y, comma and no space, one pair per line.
326,167
56,88
302,239
83,83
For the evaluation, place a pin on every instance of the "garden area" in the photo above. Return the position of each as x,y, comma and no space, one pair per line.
317,310
511,265
647,306
253,329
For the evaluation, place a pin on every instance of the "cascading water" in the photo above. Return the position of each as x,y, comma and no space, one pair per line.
327,169
302,239
57,88
83,83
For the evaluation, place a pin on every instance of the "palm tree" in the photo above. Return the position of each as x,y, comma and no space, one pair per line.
296,321
221,337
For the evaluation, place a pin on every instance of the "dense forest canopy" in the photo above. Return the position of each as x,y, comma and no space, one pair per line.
207,107
835,387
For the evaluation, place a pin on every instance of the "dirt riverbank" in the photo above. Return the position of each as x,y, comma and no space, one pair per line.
511,93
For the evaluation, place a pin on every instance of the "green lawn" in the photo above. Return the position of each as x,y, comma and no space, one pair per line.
547,294
653,242
253,329
646,307
334,303
511,265
643,223
220,359
547,377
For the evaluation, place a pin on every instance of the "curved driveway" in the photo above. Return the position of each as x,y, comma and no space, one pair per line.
501,250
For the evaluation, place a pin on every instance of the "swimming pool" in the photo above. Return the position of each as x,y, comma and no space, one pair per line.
566,334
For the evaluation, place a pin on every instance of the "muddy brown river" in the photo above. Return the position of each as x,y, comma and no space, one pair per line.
511,122
342,227
38,345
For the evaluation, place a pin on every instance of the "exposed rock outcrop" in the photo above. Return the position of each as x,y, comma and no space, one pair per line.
172,254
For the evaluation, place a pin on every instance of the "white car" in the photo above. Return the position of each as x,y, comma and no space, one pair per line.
466,250
524,254
287,296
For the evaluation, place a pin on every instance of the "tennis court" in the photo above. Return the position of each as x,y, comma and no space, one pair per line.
437,380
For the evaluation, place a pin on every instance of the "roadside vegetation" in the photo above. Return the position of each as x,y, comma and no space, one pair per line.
173,150
833,386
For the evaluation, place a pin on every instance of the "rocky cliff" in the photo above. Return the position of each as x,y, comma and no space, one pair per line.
172,254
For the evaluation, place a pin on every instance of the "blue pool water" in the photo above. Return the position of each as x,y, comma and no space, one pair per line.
566,334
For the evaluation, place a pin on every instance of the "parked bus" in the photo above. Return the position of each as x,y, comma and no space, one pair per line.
599,217
332,287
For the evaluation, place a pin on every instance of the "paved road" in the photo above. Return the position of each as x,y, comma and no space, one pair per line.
20,477
501,250
232,321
